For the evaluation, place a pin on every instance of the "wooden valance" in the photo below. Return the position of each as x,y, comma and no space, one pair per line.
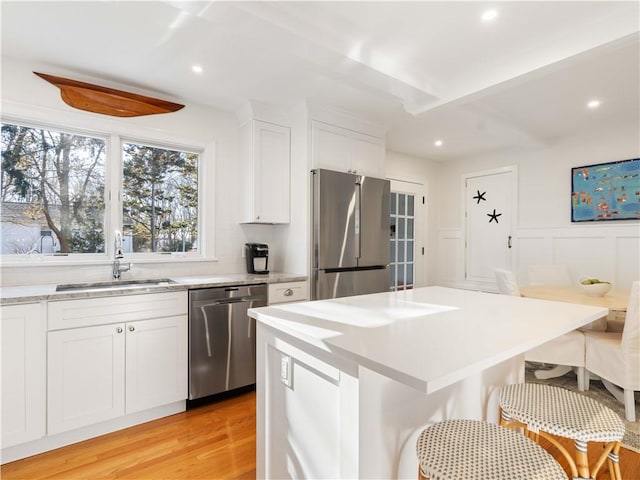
108,101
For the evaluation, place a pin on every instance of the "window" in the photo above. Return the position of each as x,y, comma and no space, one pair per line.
55,186
402,245
159,199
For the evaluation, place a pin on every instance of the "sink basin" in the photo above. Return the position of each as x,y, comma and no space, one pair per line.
116,284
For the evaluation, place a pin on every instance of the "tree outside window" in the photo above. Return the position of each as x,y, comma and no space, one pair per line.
159,199
52,191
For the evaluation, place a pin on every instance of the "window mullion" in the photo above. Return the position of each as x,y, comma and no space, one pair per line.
114,182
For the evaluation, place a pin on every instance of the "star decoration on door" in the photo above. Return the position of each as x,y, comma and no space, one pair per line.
493,216
480,196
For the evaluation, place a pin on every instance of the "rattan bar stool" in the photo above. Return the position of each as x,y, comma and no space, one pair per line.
542,410
477,450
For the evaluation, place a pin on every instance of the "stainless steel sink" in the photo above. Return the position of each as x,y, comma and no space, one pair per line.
116,284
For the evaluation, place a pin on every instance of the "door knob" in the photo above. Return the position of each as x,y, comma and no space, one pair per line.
132,328
119,329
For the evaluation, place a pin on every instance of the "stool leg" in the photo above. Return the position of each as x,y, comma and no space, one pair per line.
582,462
565,453
614,462
607,454
420,475
507,421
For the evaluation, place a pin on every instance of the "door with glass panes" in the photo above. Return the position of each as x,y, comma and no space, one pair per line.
408,216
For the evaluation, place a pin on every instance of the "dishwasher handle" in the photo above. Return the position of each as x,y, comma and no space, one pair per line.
226,301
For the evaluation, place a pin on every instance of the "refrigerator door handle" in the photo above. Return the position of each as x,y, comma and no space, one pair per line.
356,220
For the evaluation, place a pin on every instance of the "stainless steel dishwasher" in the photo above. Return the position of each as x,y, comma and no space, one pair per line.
222,338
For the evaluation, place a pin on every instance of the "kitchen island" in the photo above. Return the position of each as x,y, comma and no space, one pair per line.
344,386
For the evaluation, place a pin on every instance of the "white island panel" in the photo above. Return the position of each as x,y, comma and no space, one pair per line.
393,363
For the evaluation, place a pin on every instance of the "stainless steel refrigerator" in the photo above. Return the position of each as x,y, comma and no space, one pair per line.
350,251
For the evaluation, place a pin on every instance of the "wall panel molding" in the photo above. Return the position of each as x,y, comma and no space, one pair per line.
608,251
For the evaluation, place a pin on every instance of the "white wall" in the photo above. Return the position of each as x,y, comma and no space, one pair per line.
26,96
544,233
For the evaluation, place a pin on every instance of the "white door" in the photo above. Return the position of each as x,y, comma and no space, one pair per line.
489,214
408,212
85,376
156,367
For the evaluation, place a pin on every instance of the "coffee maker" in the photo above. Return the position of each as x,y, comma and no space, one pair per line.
257,255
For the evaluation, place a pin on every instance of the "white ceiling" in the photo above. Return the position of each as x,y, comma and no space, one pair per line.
423,70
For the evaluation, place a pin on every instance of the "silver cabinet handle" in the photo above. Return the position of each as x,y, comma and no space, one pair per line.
131,328
288,292
119,329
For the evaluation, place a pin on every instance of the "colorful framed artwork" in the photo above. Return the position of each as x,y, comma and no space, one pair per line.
606,191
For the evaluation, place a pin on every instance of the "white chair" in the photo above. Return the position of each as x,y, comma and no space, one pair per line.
506,282
565,351
549,275
615,357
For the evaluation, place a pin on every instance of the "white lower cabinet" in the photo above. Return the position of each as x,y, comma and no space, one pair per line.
156,363
23,336
86,376
101,372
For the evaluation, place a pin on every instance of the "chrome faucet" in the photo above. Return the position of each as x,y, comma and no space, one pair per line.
119,267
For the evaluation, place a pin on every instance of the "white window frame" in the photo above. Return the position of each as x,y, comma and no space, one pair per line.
113,189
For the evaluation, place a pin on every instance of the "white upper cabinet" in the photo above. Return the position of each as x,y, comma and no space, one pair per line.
265,156
341,149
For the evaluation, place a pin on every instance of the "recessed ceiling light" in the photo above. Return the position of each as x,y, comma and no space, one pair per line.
489,15
438,143
197,68
593,104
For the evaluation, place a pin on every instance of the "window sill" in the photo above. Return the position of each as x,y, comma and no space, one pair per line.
72,260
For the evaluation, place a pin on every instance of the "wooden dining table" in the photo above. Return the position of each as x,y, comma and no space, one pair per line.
615,300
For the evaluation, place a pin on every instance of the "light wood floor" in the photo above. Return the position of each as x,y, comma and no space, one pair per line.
215,441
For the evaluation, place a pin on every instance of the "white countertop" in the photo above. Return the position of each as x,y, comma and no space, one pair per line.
36,293
427,338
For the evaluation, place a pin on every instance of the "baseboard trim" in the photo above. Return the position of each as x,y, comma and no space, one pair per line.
52,442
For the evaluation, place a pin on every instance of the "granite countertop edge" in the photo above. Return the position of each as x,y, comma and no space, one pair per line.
14,295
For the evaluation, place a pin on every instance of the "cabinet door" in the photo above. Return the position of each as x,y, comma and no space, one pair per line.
86,376
271,172
368,156
331,147
156,362
341,149
23,373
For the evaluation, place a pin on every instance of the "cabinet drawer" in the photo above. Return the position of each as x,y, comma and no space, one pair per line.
88,312
287,292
